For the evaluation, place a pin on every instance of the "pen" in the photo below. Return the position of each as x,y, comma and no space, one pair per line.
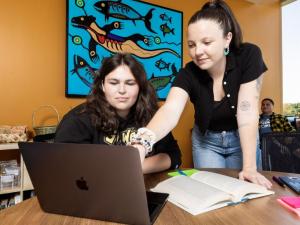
278,181
181,172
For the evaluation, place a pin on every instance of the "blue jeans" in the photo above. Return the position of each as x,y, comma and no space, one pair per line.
219,150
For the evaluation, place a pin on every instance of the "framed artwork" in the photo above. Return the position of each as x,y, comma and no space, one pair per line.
98,29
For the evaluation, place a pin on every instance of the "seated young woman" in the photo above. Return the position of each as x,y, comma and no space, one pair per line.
121,101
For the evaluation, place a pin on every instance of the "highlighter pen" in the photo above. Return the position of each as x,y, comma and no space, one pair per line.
278,181
181,172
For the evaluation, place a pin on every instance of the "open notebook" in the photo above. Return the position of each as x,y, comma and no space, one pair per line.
103,182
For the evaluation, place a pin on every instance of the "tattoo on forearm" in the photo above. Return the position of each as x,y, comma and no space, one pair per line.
245,105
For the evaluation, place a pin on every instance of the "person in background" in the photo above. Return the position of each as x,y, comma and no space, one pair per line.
298,124
223,82
121,100
270,121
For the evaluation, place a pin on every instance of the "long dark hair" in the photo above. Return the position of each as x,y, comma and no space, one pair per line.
103,115
220,12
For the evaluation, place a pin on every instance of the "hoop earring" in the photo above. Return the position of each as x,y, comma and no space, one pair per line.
226,51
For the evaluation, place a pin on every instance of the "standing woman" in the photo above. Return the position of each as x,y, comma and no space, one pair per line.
121,101
223,82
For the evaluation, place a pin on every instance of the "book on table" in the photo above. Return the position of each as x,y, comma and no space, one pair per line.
204,191
292,182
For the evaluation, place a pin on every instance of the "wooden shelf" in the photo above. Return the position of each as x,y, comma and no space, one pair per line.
9,146
25,179
10,190
27,185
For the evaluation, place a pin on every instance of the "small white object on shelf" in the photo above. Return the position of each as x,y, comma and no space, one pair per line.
8,146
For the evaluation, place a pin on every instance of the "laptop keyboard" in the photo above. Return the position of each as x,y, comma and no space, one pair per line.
151,207
155,201
152,202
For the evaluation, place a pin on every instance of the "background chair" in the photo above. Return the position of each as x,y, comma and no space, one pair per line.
281,152
298,124
292,120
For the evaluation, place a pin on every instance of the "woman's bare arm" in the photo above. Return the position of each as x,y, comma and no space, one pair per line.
166,118
247,118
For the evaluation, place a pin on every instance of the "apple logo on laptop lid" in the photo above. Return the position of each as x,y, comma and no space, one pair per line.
82,184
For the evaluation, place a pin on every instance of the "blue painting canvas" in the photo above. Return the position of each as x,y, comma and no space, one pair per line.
98,29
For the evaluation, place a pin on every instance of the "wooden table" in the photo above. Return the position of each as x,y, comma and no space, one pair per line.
262,211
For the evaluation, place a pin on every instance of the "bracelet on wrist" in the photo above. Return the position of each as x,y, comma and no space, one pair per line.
144,137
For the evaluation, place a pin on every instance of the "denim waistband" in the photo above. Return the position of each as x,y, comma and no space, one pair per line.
222,132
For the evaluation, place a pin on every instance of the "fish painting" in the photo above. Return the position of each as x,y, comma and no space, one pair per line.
160,82
84,71
113,43
165,17
118,10
162,65
166,29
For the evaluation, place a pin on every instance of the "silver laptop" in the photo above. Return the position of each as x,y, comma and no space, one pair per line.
102,182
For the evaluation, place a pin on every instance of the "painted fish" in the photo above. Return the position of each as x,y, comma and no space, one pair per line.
114,43
161,64
84,71
165,17
166,29
118,10
160,82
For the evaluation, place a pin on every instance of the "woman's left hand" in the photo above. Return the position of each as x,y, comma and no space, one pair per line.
255,177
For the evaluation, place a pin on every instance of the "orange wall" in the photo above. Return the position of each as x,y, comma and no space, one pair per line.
32,58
